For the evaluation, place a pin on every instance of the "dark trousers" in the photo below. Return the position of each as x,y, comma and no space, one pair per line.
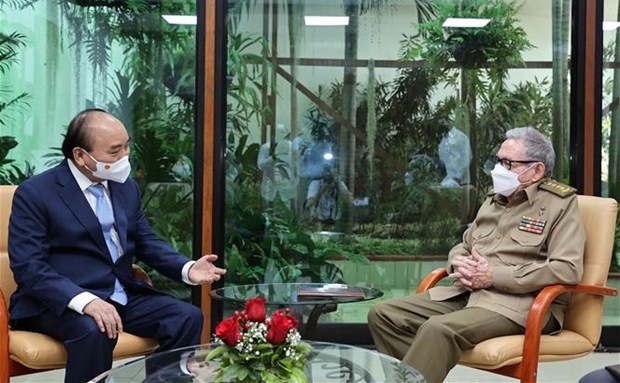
431,335
173,323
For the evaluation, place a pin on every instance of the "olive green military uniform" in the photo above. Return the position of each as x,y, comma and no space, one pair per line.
535,240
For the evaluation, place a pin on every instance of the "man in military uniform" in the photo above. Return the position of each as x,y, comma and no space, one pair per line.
526,235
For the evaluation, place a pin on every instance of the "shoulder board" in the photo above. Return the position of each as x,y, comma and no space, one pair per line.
557,188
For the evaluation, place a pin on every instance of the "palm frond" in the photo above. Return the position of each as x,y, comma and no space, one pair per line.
17,4
19,104
9,45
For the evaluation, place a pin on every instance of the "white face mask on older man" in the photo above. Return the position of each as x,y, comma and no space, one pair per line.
506,182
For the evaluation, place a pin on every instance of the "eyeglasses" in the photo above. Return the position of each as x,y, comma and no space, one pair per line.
509,163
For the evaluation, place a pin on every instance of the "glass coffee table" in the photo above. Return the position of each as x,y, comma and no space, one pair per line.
329,362
322,297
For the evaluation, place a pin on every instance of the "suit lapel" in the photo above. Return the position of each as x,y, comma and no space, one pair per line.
74,198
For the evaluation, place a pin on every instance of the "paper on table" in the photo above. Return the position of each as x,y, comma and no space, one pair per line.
329,291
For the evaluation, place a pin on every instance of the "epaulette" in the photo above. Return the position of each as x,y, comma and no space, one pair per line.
557,188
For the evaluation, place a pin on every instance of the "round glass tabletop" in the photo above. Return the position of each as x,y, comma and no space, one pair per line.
329,362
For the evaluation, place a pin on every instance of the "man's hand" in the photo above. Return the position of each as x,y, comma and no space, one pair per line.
464,267
204,271
482,278
106,316
472,272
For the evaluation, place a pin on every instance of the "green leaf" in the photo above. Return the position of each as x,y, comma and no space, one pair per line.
217,352
298,375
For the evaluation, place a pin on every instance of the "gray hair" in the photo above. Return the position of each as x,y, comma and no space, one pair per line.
537,146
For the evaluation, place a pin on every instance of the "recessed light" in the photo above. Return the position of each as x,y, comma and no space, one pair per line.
610,25
180,19
455,22
326,20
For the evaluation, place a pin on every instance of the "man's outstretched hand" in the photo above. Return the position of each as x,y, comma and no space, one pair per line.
204,271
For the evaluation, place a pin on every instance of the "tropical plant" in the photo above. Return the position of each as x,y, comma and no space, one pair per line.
247,74
265,244
264,241
496,47
10,104
154,95
10,173
478,53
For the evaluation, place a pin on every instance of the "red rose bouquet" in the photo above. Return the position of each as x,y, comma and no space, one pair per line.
255,348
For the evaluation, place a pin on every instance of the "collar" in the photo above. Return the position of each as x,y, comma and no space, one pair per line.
83,181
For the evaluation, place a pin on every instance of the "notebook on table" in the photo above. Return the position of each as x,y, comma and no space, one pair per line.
329,291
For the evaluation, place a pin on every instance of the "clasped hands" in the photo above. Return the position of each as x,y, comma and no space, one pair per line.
472,272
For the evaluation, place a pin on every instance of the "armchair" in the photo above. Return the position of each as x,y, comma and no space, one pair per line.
512,355
24,352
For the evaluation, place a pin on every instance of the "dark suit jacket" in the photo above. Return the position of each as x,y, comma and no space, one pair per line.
57,249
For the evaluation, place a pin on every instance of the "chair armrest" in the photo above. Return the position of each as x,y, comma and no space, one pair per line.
536,315
139,273
4,340
431,279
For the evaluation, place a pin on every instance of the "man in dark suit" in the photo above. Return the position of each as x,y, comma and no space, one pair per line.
74,232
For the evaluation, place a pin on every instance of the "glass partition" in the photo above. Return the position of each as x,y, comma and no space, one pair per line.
360,134
610,176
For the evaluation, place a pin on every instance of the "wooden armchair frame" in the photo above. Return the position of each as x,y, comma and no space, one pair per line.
527,369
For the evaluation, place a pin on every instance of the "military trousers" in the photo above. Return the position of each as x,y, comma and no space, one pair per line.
431,335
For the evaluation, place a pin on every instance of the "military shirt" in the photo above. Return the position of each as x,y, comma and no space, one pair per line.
533,240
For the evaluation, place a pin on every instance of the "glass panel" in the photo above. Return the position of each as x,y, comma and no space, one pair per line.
359,153
610,163
65,56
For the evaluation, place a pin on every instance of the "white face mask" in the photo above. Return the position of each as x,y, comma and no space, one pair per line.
116,171
505,182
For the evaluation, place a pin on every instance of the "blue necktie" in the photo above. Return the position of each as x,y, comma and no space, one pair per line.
106,219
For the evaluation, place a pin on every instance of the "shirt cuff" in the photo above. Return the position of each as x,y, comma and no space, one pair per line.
185,273
78,302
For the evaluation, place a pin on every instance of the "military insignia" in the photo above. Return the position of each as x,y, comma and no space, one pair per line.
541,211
534,225
557,188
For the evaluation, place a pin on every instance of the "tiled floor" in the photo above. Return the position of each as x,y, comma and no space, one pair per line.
555,372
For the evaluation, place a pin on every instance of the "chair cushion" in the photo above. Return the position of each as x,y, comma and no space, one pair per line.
507,350
40,352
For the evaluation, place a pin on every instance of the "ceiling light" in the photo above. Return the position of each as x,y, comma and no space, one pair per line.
454,22
180,19
610,25
326,20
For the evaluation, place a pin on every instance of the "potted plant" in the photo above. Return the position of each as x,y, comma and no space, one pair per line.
496,46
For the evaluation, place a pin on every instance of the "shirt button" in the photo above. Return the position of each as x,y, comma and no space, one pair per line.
497,236
525,240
